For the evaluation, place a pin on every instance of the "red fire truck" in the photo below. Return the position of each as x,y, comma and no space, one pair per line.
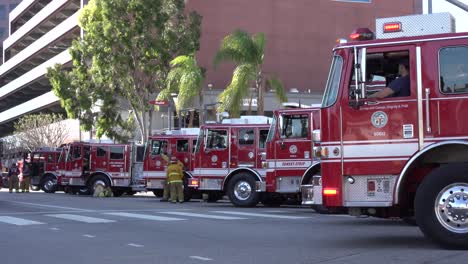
43,170
397,156
83,166
227,159
179,143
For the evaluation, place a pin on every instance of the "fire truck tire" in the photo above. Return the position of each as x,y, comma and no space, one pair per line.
49,184
241,190
99,180
440,206
35,187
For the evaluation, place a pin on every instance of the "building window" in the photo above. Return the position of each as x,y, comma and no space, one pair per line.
3,12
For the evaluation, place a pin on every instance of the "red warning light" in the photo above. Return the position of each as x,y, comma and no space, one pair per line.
362,34
392,27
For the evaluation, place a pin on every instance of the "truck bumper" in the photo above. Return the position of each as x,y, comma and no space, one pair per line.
312,193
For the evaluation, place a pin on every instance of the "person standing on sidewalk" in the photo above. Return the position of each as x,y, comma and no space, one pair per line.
13,180
174,177
26,178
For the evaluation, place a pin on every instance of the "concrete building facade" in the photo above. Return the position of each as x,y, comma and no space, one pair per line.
300,35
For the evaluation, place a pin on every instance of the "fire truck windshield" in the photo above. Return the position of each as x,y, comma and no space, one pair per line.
272,131
333,83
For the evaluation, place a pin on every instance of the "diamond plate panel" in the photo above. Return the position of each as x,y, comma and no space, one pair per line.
288,184
356,193
210,184
417,25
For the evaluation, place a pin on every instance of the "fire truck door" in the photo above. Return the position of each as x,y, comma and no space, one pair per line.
380,135
138,155
100,157
262,136
246,150
216,153
292,151
75,164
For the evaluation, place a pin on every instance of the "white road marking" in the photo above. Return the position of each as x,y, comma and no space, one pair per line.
146,217
261,215
205,216
18,221
54,228
53,206
135,245
90,236
200,258
80,218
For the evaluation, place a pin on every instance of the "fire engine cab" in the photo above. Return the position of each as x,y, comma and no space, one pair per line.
406,153
179,143
227,159
43,170
83,166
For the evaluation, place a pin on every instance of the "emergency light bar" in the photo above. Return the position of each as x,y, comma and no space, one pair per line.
414,25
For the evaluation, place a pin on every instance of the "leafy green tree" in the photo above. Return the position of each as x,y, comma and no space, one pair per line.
185,79
122,62
248,53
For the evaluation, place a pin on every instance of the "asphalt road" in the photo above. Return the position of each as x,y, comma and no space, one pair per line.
60,228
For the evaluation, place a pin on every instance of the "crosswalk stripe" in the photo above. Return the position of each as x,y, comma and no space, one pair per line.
146,217
204,216
18,221
261,215
79,218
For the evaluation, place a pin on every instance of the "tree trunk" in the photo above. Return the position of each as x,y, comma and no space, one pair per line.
261,95
192,116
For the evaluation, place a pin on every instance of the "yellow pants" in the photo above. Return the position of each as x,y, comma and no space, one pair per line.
177,192
24,186
166,191
13,182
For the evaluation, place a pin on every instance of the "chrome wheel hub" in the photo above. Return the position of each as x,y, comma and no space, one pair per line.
242,190
49,185
451,207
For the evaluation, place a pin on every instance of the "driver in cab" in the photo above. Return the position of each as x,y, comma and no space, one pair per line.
398,87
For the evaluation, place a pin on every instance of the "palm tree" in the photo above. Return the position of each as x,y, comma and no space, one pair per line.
247,52
184,79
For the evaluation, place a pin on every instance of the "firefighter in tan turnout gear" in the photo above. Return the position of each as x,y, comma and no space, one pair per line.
174,178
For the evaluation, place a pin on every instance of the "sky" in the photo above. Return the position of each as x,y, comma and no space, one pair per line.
461,16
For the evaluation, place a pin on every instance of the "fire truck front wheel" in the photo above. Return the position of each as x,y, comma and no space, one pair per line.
441,205
99,180
241,190
49,184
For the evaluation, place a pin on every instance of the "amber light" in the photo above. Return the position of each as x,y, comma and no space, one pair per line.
193,182
328,191
392,27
